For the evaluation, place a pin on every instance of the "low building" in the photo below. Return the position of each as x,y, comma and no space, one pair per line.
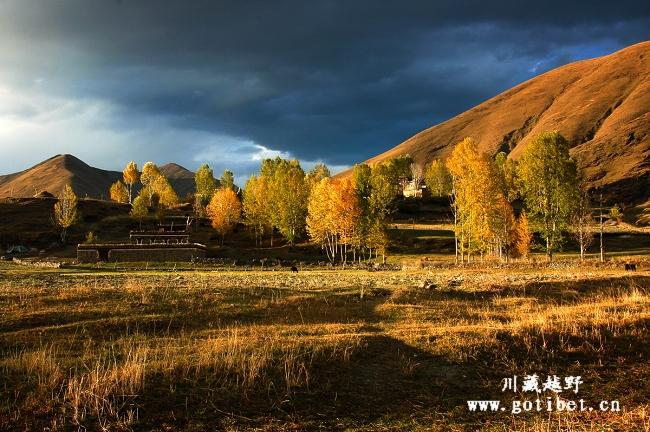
171,242
411,189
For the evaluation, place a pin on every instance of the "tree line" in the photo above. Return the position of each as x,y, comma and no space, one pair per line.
482,191
348,217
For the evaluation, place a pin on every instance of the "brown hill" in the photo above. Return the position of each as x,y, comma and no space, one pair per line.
54,173
602,106
181,178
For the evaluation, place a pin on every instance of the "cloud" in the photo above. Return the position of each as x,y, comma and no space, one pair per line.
228,82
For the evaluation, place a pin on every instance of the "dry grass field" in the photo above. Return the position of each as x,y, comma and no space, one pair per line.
318,350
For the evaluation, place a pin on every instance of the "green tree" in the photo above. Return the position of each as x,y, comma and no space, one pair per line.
507,176
289,193
139,209
227,180
438,179
65,211
400,169
362,175
206,185
549,186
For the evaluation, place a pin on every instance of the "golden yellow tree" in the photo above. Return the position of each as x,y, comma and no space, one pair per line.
345,213
482,213
320,225
164,190
131,176
65,211
333,214
156,187
149,172
224,211
255,207
119,192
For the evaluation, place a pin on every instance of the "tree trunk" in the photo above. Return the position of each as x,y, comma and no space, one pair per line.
602,247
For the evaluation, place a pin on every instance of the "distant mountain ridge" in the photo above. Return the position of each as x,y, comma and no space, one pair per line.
53,174
602,106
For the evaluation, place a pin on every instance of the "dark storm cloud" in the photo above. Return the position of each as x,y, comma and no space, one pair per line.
333,80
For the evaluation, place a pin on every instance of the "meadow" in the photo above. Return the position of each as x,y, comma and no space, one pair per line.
168,350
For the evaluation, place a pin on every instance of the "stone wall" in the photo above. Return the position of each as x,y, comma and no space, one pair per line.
87,255
156,254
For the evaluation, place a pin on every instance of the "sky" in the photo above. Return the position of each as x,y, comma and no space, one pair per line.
230,83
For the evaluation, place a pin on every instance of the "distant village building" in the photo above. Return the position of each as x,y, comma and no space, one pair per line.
414,189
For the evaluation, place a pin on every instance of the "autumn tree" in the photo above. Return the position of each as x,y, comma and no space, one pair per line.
288,194
206,185
139,209
131,176
438,179
385,183
503,227
163,190
65,211
316,174
346,212
417,174
581,223
362,175
255,206
549,186
320,225
156,187
224,211
506,170
149,172
332,219
616,214
485,218
523,236
227,180
384,187
119,192
400,168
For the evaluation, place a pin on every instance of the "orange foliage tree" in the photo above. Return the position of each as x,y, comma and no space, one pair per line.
224,211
